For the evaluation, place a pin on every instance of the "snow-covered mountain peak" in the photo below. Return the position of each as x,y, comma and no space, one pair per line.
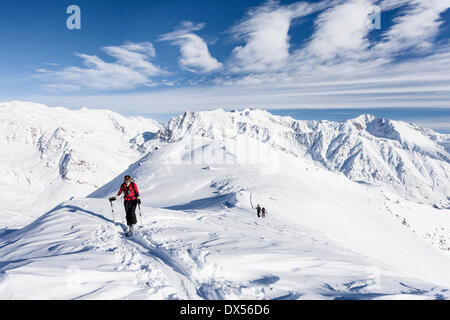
56,153
222,124
412,160
218,123
360,122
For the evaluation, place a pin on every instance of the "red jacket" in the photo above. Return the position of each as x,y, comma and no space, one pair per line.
130,193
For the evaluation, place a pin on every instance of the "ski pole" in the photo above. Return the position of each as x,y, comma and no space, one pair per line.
140,215
112,210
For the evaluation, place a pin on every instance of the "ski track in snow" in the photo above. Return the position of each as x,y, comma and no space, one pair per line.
168,268
161,274
217,254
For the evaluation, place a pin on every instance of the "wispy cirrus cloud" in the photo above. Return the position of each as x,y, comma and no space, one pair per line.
415,29
265,33
341,31
340,64
195,55
339,49
131,68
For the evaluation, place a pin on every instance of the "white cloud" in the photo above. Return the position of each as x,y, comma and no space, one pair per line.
415,29
131,69
135,56
195,55
338,67
341,31
58,87
265,32
143,47
339,52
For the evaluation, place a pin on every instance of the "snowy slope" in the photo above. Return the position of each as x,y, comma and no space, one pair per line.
76,252
413,161
188,175
325,236
51,154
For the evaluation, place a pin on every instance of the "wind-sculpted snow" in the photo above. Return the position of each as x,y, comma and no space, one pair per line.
51,154
413,161
76,251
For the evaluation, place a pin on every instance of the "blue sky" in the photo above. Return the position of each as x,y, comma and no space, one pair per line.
168,56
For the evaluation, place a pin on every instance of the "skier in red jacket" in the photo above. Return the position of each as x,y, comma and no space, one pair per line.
131,200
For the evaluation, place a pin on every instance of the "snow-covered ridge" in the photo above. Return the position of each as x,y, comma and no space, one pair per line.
412,160
55,153
76,251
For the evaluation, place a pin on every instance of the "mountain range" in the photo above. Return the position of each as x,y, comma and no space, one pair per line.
356,209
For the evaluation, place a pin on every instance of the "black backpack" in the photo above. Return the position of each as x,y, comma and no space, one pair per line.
124,186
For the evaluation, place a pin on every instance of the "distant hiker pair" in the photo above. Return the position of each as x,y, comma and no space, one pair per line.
261,213
131,200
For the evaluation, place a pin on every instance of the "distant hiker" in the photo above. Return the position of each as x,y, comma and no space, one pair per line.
258,210
263,212
131,200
